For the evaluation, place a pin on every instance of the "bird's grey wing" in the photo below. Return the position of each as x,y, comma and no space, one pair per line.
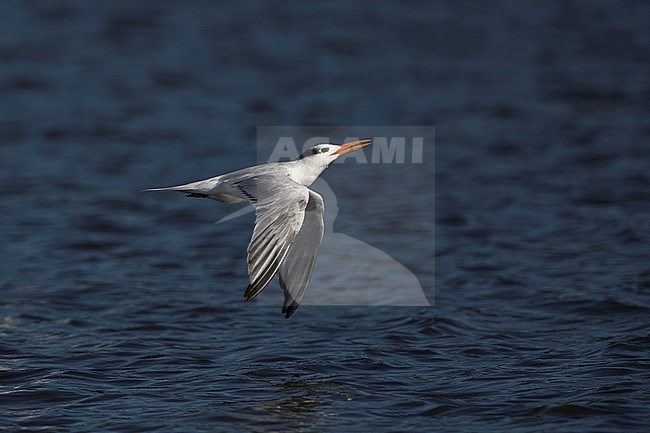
279,212
298,265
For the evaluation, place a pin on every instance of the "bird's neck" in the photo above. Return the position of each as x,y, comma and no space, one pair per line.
305,171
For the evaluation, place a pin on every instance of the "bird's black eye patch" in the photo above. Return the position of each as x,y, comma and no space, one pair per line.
324,149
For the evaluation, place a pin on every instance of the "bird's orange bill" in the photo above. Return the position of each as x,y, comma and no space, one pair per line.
351,146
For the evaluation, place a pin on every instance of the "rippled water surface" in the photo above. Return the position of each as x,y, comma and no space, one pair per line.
122,311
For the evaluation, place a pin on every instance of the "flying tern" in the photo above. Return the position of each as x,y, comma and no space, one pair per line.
288,216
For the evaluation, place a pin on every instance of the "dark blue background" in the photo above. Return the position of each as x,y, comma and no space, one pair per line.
123,312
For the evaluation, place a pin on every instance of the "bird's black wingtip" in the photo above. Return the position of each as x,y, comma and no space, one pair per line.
250,292
289,310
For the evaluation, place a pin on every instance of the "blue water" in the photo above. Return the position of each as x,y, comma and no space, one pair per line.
122,311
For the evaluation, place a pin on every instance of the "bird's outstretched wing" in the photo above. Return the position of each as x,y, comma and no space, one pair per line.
279,213
298,265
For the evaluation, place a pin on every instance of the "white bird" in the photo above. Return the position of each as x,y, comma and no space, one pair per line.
288,216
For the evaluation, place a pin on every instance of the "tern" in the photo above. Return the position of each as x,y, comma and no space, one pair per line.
288,216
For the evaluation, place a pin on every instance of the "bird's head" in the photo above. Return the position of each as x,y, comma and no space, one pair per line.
317,158
328,152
